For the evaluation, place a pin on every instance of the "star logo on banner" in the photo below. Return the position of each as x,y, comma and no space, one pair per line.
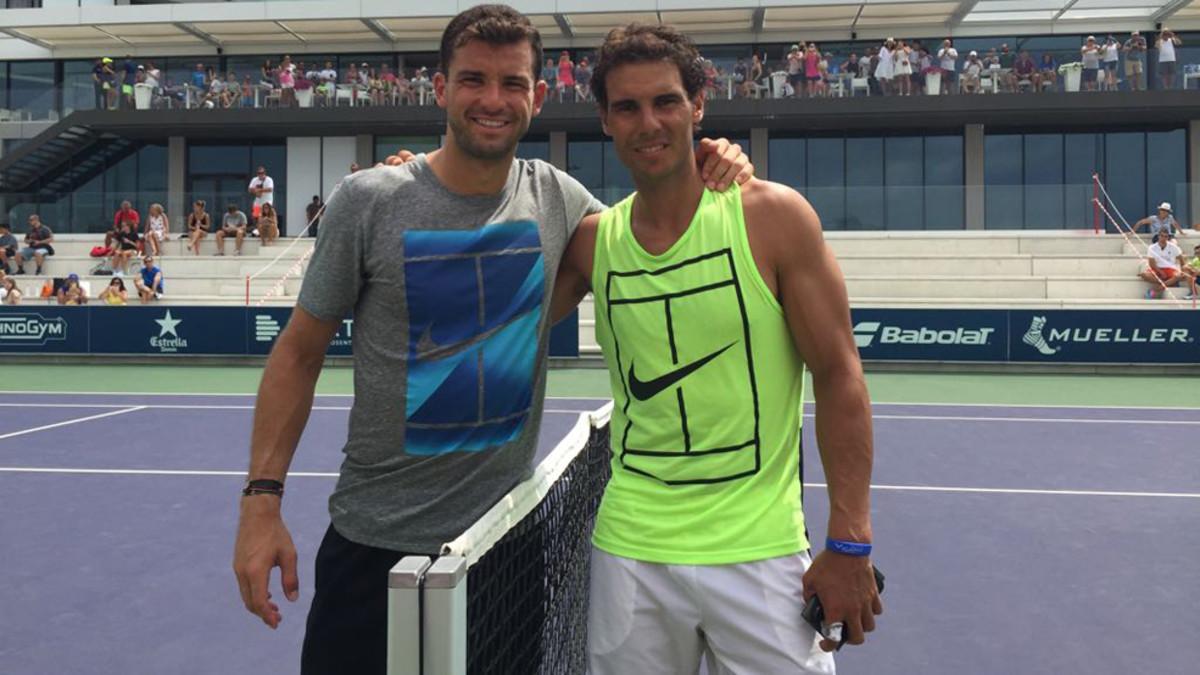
167,324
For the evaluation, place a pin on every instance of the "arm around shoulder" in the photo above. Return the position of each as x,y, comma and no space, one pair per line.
574,278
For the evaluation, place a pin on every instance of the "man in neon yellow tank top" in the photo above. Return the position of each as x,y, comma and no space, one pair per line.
708,308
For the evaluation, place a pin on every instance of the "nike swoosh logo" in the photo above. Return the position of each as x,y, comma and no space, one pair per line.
427,349
645,390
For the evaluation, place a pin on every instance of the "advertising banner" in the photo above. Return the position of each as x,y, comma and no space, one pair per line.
931,334
1104,336
168,330
61,330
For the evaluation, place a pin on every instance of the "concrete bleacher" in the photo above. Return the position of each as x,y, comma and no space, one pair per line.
992,269
206,279
985,270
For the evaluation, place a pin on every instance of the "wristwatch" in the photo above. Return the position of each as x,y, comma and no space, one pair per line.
263,486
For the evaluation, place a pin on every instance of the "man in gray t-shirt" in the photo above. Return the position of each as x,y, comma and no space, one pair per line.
233,224
448,265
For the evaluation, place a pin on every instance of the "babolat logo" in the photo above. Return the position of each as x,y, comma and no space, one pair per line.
1043,340
266,328
31,329
168,325
866,332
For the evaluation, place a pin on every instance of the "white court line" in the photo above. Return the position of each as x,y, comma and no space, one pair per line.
72,421
560,411
1024,491
898,488
605,399
177,406
1050,420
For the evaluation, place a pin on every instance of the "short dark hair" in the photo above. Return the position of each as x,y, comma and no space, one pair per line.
641,43
495,25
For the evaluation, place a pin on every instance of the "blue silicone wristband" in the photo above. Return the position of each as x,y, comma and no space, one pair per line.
851,548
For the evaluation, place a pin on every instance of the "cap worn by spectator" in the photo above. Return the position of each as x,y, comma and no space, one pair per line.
973,53
72,277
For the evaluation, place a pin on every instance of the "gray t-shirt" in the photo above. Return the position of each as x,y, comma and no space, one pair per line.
450,296
235,219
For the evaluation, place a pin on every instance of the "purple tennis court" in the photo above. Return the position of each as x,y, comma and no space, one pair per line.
1015,538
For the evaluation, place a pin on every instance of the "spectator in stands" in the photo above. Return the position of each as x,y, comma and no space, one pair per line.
125,248
287,82
971,71
114,293
566,77
948,61
268,224
1135,61
263,189
758,74
12,295
422,86
1161,221
1164,259
247,91
583,80
813,82
8,248
130,69
1048,70
37,245
157,227
885,70
795,70
1090,54
198,225
233,224
1191,272
153,77
1007,60
124,214
102,83
1111,59
903,58
199,80
313,214
1166,44
149,284
71,293
1024,72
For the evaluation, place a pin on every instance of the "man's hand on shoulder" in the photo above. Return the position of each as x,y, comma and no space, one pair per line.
722,163
402,156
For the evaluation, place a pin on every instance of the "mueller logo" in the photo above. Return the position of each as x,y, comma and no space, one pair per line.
31,329
1043,340
866,332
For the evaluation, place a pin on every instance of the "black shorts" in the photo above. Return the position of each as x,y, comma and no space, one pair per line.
347,622
1090,74
1110,66
10,252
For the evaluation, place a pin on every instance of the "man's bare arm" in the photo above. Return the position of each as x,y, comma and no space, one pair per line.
574,278
281,411
812,291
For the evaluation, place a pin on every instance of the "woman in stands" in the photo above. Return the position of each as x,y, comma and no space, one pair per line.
198,226
268,224
157,225
124,248
114,293
12,296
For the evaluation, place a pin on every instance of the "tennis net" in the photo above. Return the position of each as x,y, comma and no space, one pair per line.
510,594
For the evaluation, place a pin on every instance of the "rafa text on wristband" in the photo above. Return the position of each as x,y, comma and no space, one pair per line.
852,548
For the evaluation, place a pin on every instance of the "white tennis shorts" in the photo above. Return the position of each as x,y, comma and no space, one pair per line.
653,619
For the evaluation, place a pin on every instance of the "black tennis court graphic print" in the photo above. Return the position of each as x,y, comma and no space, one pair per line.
681,341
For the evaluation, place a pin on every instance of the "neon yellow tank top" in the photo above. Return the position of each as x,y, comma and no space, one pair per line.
708,389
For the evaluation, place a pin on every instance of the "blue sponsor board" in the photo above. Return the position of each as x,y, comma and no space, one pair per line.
44,329
264,324
1104,336
168,330
931,335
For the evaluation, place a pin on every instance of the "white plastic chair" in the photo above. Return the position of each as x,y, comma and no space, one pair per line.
857,83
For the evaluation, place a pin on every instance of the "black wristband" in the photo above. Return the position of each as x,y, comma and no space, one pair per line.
263,486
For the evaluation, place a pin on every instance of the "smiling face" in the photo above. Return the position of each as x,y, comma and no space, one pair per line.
490,96
651,119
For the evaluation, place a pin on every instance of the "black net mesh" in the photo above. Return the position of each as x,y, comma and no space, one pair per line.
527,597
